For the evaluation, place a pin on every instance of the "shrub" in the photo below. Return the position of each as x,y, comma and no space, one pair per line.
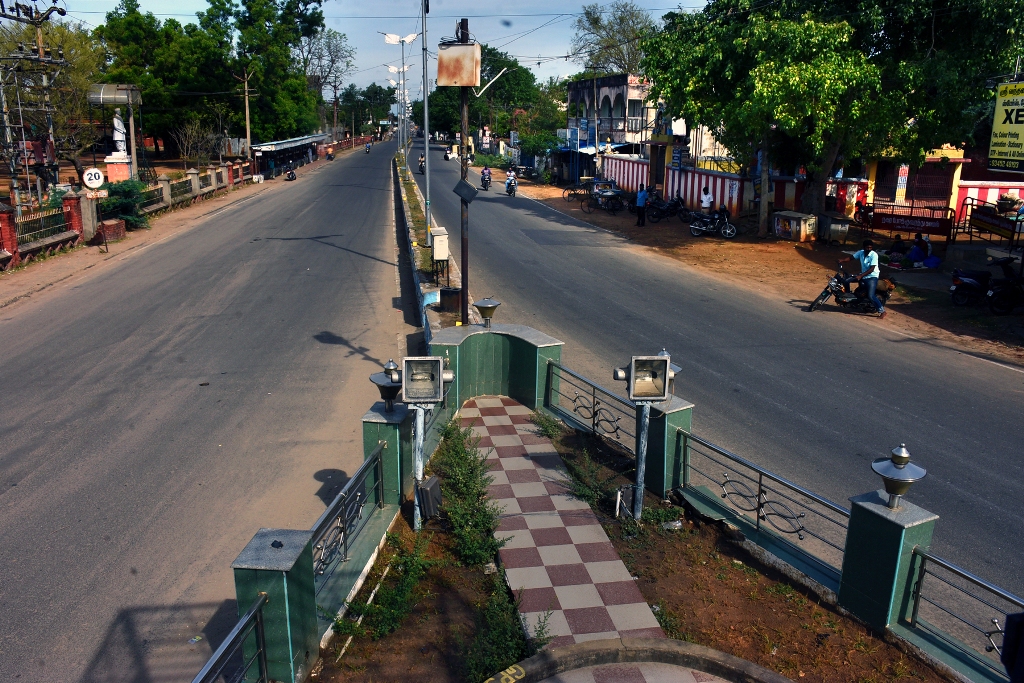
395,598
464,481
586,483
123,203
549,427
499,640
492,160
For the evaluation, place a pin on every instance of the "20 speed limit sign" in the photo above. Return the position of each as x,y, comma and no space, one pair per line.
93,178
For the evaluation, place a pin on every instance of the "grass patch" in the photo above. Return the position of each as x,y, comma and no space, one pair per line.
587,483
499,641
549,427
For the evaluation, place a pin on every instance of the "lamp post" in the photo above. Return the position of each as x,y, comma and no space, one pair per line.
649,380
425,5
897,473
403,130
423,380
486,309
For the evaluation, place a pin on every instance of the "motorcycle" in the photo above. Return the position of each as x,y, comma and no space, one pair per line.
510,187
448,154
367,149
971,286
290,175
423,166
715,222
856,300
485,182
658,209
864,213
330,157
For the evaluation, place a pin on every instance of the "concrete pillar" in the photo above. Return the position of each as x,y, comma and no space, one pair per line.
279,562
165,187
225,174
193,176
8,237
73,213
664,470
211,172
396,429
879,566
90,216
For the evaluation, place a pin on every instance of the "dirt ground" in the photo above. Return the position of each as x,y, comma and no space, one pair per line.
755,263
709,591
426,646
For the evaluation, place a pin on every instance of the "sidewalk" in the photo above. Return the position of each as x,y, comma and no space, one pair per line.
559,557
39,276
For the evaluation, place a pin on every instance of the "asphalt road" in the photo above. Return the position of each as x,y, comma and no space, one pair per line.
127,487
813,397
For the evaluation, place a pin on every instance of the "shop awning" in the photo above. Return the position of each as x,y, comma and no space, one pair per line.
280,145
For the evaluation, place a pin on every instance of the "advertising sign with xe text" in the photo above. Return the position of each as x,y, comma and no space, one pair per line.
1006,151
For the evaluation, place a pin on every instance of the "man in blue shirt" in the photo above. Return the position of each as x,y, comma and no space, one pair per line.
641,207
868,259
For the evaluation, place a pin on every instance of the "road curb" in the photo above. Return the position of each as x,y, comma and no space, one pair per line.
558,660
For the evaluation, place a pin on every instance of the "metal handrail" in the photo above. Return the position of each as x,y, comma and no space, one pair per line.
973,578
335,531
771,475
593,411
251,621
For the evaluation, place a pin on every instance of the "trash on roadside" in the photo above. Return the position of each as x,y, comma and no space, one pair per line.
194,639
675,525
490,568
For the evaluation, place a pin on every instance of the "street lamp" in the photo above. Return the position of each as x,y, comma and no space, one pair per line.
389,383
423,380
395,39
486,308
649,380
897,473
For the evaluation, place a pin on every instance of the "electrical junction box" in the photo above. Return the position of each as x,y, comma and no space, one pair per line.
440,243
458,64
430,497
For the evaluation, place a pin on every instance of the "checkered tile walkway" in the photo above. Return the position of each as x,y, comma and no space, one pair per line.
641,672
559,557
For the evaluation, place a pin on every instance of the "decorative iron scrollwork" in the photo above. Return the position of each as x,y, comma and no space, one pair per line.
778,514
603,420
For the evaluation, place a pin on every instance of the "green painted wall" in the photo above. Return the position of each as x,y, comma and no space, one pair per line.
397,455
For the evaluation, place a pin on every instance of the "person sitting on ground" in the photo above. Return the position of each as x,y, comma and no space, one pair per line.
918,252
898,249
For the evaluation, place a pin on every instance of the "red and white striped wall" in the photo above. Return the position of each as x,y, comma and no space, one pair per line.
727,188
627,172
986,191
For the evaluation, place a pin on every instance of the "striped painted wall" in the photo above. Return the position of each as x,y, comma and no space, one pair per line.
727,188
985,191
626,171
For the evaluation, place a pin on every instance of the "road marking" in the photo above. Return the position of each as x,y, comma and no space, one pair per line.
962,353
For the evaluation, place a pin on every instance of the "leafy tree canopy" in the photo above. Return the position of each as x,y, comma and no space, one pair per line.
607,39
821,80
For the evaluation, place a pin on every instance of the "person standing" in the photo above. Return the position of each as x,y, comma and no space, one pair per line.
641,206
868,276
707,200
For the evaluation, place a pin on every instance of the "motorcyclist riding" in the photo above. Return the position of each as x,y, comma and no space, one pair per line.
485,177
367,147
510,177
868,259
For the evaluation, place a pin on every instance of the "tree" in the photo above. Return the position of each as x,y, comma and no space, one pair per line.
194,140
819,81
72,128
327,61
608,39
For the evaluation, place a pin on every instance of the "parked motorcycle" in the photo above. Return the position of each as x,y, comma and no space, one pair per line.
856,300
971,286
290,175
715,222
511,187
1007,295
659,208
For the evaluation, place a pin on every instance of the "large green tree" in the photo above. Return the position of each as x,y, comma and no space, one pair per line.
820,81
607,38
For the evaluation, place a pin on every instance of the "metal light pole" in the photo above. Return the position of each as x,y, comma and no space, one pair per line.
426,126
417,459
463,145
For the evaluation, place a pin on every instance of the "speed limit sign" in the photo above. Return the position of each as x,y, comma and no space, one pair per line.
93,177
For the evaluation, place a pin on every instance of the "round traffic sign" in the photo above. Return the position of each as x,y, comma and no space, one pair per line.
93,177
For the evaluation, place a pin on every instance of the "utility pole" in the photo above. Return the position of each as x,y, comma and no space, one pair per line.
464,154
426,124
244,78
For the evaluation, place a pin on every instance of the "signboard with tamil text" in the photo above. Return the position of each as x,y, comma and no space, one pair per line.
912,224
1006,149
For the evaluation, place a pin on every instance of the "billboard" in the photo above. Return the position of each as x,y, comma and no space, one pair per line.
1006,149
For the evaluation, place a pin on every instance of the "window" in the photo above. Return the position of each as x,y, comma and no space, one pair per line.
636,108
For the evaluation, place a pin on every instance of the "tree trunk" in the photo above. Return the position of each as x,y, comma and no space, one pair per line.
762,212
79,168
813,199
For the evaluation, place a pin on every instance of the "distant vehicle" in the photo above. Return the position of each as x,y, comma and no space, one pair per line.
290,175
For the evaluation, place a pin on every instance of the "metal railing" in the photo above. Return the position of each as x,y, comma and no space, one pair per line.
343,519
634,124
36,226
180,189
960,604
590,406
151,197
251,623
205,180
220,178
769,501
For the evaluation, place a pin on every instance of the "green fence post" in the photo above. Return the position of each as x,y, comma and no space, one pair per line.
878,562
279,562
664,456
396,429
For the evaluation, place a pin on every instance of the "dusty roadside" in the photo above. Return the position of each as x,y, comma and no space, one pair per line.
41,275
798,272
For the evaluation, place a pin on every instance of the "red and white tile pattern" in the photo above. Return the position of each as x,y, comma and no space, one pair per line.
559,557
640,672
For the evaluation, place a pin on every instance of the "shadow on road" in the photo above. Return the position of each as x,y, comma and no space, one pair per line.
320,239
327,337
151,643
331,483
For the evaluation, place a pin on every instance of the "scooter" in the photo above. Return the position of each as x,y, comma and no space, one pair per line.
971,286
856,300
290,175
423,166
716,222
510,187
1006,296
448,154
485,182
367,149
